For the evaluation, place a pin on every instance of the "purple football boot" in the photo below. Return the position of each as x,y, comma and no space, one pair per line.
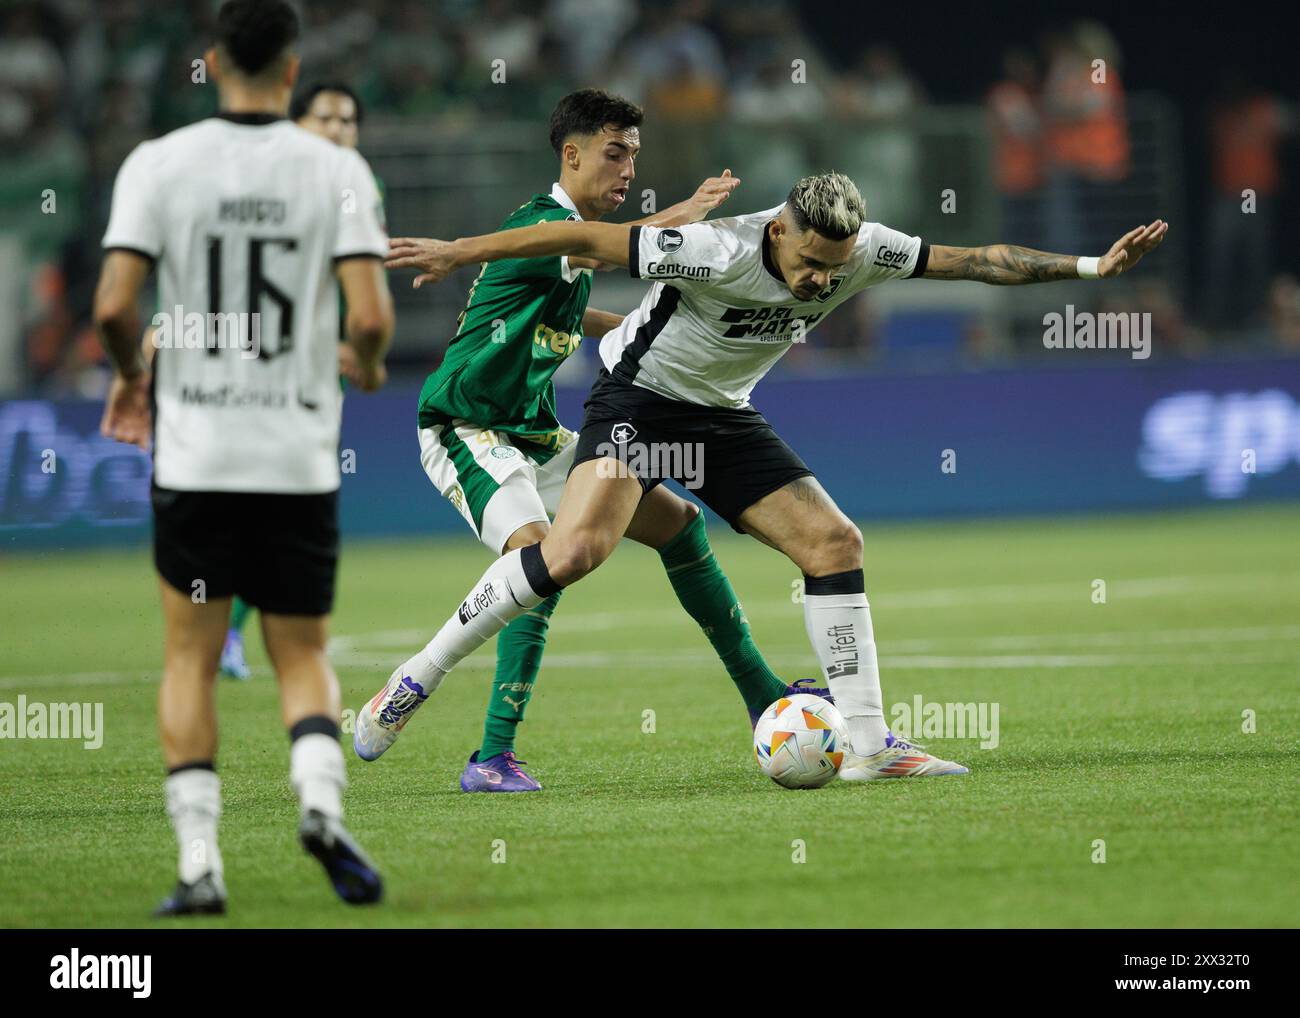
500,773
797,686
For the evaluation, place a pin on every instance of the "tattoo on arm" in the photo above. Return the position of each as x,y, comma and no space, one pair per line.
999,264
805,489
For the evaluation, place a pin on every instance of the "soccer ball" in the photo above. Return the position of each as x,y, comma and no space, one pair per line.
799,741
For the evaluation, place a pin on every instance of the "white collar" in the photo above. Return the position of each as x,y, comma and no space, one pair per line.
562,196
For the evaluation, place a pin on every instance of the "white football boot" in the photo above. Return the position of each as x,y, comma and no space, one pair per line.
382,719
899,759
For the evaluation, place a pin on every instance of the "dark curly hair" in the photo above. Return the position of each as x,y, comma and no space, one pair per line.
587,111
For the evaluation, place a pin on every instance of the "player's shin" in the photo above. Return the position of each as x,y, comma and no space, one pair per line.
707,595
194,805
519,658
838,619
513,584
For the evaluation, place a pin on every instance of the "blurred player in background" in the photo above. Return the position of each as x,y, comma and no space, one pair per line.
242,211
333,111
330,109
491,443
727,300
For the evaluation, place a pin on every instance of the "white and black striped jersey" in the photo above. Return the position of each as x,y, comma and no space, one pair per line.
245,216
719,315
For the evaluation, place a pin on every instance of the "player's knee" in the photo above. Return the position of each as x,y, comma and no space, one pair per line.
839,550
570,560
192,669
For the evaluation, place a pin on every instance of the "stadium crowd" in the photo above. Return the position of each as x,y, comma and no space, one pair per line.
83,81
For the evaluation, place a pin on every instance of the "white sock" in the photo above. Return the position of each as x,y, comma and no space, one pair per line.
839,626
194,804
502,594
317,773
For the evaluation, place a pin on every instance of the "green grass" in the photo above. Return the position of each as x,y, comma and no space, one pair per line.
1119,721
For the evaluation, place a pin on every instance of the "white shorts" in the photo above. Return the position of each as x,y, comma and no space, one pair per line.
496,486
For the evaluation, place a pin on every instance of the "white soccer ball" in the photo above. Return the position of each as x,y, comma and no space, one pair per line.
799,741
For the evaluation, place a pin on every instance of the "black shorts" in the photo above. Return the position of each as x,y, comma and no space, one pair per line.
278,552
730,458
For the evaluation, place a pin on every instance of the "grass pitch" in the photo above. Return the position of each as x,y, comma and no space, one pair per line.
1119,722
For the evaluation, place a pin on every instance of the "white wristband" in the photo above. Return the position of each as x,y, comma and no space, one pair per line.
1089,268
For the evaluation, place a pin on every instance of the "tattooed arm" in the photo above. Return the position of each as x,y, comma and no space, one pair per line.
1010,265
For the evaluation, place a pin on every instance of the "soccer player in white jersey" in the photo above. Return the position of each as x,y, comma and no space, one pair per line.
729,297
251,222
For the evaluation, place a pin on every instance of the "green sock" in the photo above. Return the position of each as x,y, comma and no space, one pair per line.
706,594
239,613
519,656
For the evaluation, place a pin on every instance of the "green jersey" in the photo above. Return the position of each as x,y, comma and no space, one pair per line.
522,321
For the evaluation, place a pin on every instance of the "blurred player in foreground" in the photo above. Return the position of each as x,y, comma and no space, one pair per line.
491,443
727,299
333,111
242,211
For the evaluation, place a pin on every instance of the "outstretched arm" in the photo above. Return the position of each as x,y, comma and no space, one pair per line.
1009,265
437,259
595,323
707,197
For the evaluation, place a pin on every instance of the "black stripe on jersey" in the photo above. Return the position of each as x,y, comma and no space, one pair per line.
634,252
358,254
630,363
131,250
922,260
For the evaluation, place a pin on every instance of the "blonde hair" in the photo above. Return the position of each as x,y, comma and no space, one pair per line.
828,203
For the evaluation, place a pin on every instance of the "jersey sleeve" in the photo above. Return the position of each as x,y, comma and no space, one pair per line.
361,231
133,220
695,254
885,254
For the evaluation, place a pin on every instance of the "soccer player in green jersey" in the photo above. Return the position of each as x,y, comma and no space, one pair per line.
492,445
332,110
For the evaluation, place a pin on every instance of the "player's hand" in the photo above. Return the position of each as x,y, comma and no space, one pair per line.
1129,249
712,193
371,377
366,377
126,411
434,258
349,364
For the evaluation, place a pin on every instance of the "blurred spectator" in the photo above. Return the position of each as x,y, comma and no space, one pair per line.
589,31
503,32
769,94
1018,148
1284,312
881,94
1086,132
673,63
1246,128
